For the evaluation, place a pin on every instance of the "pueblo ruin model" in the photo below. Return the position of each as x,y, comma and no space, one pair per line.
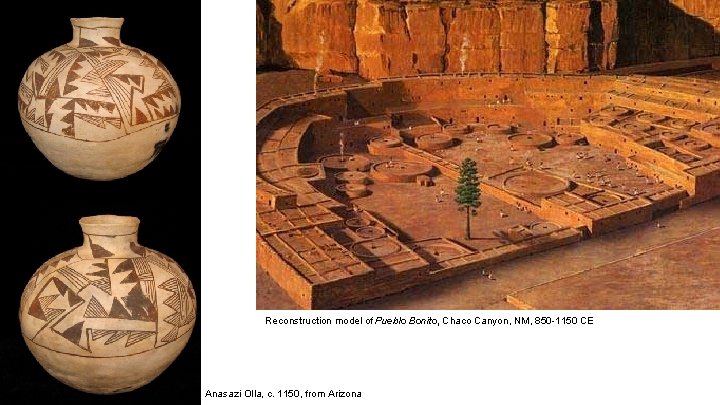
580,122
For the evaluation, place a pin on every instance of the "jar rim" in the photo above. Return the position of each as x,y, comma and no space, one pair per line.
97,22
114,225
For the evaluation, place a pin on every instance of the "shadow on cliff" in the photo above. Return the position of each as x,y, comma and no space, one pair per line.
659,31
275,58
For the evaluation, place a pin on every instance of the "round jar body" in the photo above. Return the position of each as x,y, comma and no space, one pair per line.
97,108
111,315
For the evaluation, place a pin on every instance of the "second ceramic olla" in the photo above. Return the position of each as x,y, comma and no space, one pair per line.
96,108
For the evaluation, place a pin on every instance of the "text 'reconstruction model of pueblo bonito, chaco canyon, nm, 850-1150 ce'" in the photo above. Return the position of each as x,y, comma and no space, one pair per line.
593,126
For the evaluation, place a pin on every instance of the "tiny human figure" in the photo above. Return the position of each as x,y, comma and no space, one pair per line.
490,276
503,214
477,139
659,225
357,122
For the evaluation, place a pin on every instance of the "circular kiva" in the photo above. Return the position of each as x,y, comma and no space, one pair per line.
535,184
375,248
693,144
531,140
633,127
381,145
614,111
399,172
302,171
352,176
665,150
357,222
604,198
669,135
370,232
602,121
499,129
680,123
434,141
541,228
650,118
439,251
353,190
568,138
676,103
684,158
456,129
345,162
712,129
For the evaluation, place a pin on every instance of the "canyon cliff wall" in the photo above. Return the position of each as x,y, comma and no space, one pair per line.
661,30
377,38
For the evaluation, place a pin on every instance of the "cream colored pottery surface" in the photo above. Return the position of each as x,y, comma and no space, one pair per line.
79,100
110,315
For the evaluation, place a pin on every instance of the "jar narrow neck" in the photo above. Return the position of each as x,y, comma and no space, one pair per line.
96,32
107,236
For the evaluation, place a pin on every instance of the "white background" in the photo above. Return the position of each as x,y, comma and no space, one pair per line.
626,357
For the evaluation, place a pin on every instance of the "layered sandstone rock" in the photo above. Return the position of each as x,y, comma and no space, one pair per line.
604,34
473,38
379,38
522,36
567,23
316,34
663,30
392,38
260,36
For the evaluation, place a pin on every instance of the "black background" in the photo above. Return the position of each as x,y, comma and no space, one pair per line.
41,205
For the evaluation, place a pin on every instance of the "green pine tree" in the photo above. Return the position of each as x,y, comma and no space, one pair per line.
468,190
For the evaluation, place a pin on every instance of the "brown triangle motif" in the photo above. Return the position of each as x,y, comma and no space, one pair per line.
92,119
140,118
99,334
86,43
74,333
69,88
125,265
172,335
117,336
116,122
95,309
118,311
36,310
46,301
99,251
112,40
136,337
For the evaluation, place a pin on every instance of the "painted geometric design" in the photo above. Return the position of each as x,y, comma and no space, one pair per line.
95,310
182,303
103,280
47,306
99,306
108,88
113,336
